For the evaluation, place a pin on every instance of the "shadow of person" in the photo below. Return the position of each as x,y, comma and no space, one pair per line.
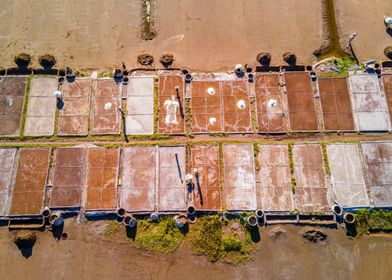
25,242
60,104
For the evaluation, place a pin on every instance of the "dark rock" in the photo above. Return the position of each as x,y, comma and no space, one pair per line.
315,236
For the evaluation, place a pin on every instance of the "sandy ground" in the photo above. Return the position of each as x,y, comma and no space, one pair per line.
366,17
87,254
202,34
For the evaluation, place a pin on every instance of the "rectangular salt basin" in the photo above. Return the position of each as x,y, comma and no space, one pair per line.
348,183
139,179
171,177
140,105
274,191
369,104
271,104
171,105
12,94
206,160
239,177
69,173
377,159
30,183
300,99
74,116
220,106
105,113
41,107
101,181
312,189
7,159
336,104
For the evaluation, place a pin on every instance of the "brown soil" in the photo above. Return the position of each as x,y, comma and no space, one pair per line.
202,34
366,17
281,254
243,138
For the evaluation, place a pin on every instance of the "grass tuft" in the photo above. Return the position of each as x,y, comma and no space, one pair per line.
256,156
325,157
188,115
25,104
111,228
156,104
161,237
373,220
207,238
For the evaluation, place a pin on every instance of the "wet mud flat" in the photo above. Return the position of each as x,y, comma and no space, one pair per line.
282,253
195,31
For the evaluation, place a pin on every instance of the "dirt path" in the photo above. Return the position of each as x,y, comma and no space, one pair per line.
240,138
87,254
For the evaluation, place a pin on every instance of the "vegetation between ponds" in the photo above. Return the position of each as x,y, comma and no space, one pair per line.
373,220
208,237
161,237
229,241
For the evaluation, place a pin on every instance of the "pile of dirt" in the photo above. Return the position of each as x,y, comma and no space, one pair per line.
388,52
145,59
290,58
315,236
22,60
25,239
277,234
167,60
264,58
47,61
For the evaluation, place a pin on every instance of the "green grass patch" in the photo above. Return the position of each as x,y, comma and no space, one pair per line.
234,251
101,75
293,179
253,113
188,115
111,228
343,64
207,238
25,104
81,74
256,156
291,158
161,237
325,157
293,184
373,220
156,104
217,134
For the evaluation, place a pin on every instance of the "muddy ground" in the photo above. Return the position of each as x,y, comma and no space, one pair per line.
202,34
366,17
88,254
